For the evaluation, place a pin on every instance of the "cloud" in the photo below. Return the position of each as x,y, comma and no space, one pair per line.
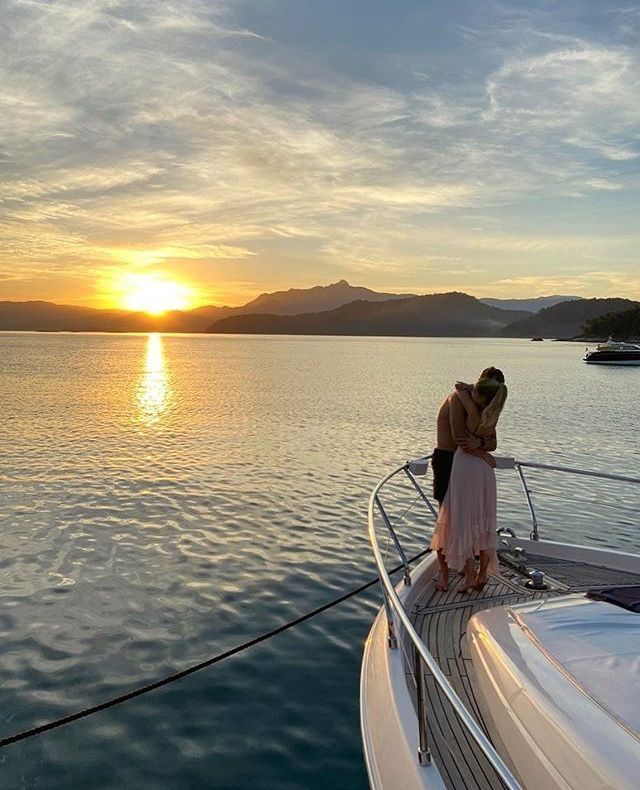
604,283
586,94
436,196
605,184
146,257
82,180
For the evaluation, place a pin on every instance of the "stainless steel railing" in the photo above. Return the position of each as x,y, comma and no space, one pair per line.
518,465
393,604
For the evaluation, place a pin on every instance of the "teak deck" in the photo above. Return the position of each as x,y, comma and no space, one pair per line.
441,619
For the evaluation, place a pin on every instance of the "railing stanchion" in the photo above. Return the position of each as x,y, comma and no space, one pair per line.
534,521
424,753
418,488
400,550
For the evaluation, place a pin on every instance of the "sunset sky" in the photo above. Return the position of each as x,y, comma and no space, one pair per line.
243,146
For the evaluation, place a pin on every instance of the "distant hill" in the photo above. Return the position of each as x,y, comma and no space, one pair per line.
314,300
50,317
450,314
624,325
47,316
565,320
533,305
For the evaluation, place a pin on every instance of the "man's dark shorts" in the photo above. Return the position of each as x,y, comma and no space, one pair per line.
441,463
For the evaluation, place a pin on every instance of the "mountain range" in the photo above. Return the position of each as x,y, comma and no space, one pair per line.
338,308
533,305
444,315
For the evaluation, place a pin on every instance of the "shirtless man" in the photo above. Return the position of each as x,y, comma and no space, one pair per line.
451,434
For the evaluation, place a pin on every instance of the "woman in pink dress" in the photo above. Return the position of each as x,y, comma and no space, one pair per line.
467,520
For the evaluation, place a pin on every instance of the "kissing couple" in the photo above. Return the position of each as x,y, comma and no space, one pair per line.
464,481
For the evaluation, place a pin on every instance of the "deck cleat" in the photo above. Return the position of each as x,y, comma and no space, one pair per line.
536,581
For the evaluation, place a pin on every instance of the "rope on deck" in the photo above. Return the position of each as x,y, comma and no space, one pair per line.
81,714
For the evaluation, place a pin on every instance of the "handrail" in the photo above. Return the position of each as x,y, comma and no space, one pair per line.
518,465
584,472
438,675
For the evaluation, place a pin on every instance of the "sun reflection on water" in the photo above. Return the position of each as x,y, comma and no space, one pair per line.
154,389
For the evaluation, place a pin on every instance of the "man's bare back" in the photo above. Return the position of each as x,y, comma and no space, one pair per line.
445,439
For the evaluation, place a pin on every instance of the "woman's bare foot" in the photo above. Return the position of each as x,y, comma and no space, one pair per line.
480,581
442,582
469,577
468,584
481,577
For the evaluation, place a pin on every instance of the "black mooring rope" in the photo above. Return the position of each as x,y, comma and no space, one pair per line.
81,714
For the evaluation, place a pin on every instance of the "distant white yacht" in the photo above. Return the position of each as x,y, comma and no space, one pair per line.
614,353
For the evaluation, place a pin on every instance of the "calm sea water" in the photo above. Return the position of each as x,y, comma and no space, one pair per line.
164,498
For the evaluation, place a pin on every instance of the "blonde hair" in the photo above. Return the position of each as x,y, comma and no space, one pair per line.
491,412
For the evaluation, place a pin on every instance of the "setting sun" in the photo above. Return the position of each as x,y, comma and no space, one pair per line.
153,294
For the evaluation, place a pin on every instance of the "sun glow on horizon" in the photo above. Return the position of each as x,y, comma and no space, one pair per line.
153,293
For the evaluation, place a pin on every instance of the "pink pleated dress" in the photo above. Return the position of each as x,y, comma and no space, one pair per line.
467,520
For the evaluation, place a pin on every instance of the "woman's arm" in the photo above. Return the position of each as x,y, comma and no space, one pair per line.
474,412
486,457
490,442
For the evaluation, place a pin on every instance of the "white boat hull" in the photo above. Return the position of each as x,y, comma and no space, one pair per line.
623,362
387,715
